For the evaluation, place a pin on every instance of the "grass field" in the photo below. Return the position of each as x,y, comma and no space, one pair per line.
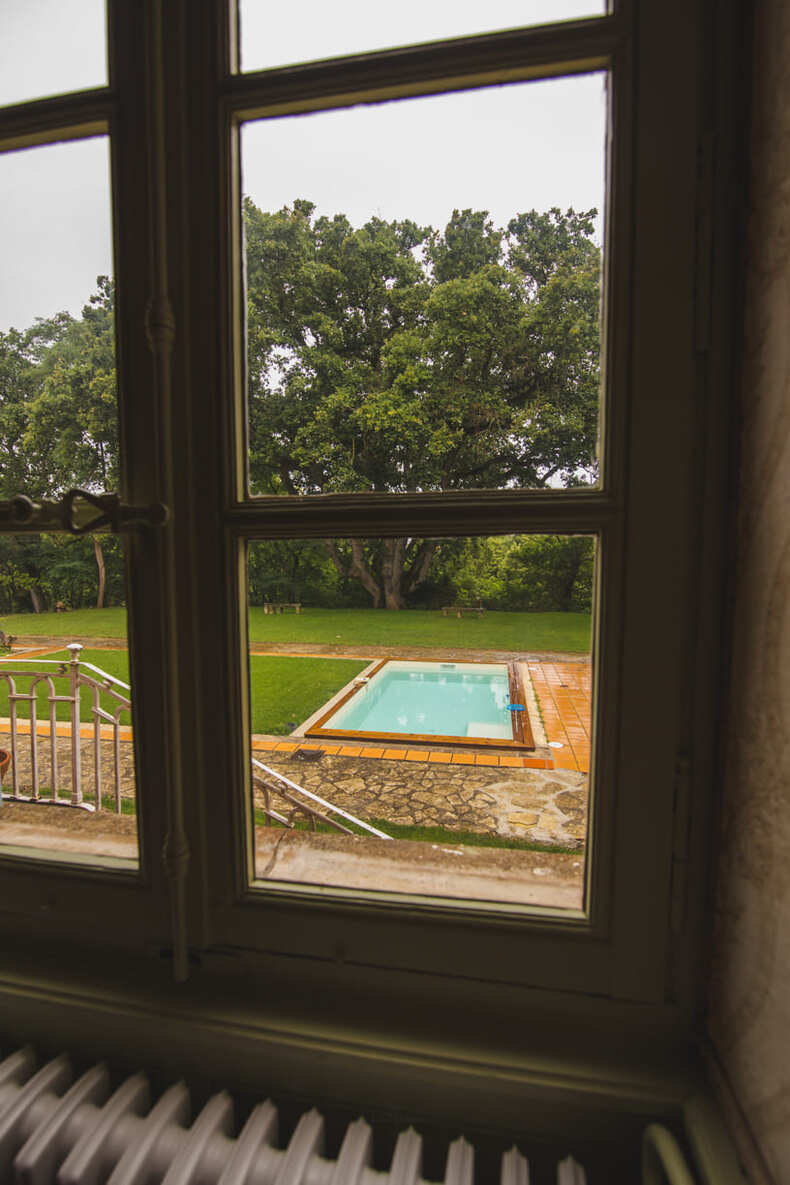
88,623
283,690
351,627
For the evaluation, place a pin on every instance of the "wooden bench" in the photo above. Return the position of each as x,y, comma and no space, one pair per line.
463,610
281,606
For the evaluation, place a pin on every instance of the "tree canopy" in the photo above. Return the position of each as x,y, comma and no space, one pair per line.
387,357
59,429
395,357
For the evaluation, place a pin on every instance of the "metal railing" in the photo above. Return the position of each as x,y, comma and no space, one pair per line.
299,801
79,674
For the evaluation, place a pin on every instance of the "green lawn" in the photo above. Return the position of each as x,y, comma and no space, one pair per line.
434,835
81,623
283,690
418,627
355,627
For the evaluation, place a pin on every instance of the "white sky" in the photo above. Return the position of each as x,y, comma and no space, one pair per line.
274,33
502,149
55,233
49,46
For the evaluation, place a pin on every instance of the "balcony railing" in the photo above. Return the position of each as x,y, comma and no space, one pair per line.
109,698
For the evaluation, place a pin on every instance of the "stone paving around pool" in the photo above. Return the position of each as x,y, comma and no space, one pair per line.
546,806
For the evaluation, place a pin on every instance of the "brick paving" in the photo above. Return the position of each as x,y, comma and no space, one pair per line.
564,692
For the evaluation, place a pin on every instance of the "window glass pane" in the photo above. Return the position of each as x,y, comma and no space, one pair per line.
423,292
58,431
276,36
456,721
55,231
65,700
50,46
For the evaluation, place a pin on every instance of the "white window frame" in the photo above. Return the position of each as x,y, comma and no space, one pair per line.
173,107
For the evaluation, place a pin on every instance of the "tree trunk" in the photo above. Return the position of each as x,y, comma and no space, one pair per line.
396,582
361,572
393,556
100,565
421,563
357,569
35,599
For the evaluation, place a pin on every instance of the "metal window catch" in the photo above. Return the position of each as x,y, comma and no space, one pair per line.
80,512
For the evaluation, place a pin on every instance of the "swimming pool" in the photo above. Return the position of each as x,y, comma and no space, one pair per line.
459,702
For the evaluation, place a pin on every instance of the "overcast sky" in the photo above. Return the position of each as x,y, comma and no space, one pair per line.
502,149
276,34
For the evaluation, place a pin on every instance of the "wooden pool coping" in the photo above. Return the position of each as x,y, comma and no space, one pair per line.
519,721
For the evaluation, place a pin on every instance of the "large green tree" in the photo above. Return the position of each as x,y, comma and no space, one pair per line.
59,429
22,367
388,357
393,357
72,426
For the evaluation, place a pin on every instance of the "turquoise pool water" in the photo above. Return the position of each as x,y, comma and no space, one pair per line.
436,699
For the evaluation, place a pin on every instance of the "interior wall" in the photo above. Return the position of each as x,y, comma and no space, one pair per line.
749,1016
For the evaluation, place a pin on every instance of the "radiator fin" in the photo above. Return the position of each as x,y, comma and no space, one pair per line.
37,1160
57,1131
407,1161
515,1170
97,1141
253,1148
356,1154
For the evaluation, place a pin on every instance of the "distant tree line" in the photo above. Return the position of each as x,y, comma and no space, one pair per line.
389,357
518,573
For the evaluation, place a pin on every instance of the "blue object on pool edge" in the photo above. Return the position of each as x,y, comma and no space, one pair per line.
515,707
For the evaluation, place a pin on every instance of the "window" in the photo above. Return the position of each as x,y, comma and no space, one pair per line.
60,431
173,111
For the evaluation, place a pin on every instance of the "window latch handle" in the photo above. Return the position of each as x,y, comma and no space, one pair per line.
80,512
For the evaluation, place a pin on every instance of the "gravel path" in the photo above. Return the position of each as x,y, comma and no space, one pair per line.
336,650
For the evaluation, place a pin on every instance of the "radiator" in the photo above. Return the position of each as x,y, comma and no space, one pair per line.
57,1130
